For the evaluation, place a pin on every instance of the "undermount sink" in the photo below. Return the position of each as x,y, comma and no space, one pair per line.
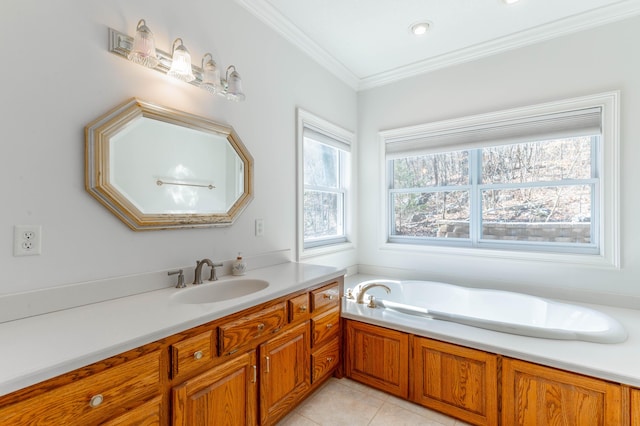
217,291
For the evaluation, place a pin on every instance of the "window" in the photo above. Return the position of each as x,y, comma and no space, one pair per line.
530,179
325,167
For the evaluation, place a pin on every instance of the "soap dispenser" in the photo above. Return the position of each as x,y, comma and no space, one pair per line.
239,266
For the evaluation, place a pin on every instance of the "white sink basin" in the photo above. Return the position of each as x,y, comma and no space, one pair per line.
218,291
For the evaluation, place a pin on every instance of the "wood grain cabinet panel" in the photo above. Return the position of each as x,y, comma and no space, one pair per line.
146,414
537,395
244,331
285,372
91,400
635,407
299,308
325,360
455,380
378,357
224,395
325,327
191,353
325,297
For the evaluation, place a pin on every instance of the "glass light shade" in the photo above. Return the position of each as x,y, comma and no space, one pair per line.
181,63
143,51
210,75
234,85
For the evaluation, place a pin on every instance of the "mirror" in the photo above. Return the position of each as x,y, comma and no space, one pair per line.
158,168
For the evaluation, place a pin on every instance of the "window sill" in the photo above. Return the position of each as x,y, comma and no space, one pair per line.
324,250
598,261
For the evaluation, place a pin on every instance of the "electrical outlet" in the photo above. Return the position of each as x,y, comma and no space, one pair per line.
259,227
27,240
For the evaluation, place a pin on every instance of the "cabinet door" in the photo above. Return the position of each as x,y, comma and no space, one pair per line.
284,372
537,395
378,357
455,380
635,407
224,395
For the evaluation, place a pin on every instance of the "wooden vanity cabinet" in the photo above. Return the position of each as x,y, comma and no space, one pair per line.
225,394
248,368
378,357
635,406
454,380
109,392
537,395
285,375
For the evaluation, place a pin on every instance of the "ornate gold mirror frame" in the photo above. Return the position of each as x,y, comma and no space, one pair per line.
157,168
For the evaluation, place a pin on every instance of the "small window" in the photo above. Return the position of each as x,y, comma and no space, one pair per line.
325,165
516,180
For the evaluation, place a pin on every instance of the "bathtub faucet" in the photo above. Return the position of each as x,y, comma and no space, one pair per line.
363,289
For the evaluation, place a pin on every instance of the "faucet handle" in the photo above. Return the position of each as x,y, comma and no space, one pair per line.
214,276
180,283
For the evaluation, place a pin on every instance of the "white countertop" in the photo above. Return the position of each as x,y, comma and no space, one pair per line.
44,346
616,362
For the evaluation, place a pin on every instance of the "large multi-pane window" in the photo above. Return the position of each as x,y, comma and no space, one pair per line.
325,164
529,183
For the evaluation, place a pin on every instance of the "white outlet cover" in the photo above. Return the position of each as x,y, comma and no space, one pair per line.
27,240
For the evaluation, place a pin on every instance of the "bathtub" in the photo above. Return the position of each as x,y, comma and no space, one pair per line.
496,310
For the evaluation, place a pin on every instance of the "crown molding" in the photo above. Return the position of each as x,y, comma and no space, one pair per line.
274,19
594,18
584,21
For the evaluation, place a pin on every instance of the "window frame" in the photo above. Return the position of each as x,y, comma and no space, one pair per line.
342,139
608,252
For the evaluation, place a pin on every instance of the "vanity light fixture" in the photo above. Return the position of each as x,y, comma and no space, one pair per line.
181,63
210,75
234,85
141,50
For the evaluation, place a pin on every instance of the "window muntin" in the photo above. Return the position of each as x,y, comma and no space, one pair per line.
539,195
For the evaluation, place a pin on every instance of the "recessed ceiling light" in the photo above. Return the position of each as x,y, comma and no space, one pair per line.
419,28
510,1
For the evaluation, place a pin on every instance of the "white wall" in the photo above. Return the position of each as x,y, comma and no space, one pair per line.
57,75
594,61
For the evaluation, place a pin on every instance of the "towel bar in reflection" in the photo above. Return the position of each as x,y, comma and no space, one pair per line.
161,182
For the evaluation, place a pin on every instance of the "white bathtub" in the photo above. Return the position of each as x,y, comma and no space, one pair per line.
496,310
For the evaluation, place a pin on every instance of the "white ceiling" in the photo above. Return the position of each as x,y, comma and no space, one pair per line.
367,43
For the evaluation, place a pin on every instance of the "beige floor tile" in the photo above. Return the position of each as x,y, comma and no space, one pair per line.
346,402
391,414
295,419
425,412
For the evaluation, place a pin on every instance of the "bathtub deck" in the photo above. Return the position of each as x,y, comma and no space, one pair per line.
616,362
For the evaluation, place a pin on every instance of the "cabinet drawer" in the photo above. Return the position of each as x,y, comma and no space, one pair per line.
93,399
244,331
325,327
325,297
325,360
189,354
146,414
299,308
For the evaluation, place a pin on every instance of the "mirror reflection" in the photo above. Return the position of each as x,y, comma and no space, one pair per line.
159,168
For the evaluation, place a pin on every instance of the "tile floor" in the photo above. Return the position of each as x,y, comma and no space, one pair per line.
349,403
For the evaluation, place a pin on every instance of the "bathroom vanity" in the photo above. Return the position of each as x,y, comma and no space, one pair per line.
248,367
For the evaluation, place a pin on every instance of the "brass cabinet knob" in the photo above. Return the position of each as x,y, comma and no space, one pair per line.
197,355
96,400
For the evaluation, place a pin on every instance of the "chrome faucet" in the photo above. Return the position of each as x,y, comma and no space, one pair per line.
363,289
197,279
